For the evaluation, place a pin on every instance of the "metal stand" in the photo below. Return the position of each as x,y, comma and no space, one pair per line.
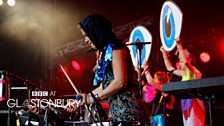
9,108
99,110
210,100
98,115
139,47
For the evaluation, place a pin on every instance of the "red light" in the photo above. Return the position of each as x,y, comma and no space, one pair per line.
75,65
65,68
205,57
222,46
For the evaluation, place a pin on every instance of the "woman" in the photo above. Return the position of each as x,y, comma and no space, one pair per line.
115,77
192,109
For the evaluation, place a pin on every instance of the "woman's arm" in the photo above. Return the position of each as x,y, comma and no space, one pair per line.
148,77
166,60
183,56
197,74
98,89
185,59
119,66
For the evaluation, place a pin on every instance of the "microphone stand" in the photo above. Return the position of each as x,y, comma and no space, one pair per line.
139,47
99,109
9,108
98,115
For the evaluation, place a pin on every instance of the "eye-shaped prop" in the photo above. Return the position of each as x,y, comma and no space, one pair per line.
170,24
141,36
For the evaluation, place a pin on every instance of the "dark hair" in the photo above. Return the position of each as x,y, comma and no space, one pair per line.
98,29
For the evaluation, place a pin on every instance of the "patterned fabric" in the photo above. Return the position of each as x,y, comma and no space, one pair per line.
186,105
106,58
127,105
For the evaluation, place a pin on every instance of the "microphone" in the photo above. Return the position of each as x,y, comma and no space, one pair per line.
138,43
91,50
99,107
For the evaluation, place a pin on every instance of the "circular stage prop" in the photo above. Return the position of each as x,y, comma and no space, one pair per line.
140,36
170,24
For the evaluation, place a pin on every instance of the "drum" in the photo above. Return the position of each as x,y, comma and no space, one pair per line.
3,86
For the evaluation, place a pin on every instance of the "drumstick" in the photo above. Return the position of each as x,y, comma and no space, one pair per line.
69,80
76,90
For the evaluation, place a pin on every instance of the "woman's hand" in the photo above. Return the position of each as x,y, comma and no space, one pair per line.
145,65
162,49
136,68
178,41
80,100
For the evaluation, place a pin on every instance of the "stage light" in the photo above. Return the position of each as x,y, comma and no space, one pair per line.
75,65
1,2
222,47
11,2
205,57
61,71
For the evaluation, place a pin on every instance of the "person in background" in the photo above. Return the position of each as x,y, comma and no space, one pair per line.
193,110
115,78
163,102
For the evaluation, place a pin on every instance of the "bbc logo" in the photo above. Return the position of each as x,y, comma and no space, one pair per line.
39,93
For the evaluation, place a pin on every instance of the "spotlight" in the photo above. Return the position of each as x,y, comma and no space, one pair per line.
60,70
205,57
75,65
11,2
1,2
222,47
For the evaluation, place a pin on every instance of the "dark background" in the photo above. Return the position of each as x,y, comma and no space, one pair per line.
33,32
